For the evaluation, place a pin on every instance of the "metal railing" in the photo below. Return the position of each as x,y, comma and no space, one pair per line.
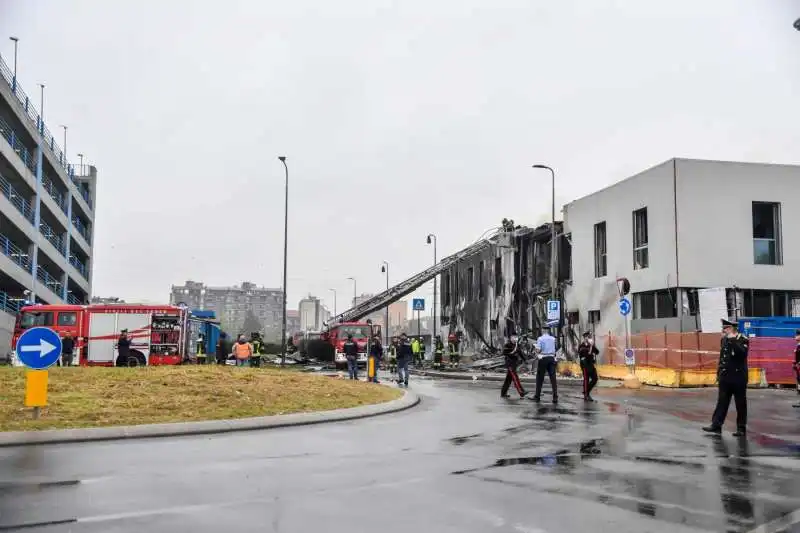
55,239
10,304
20,149
49,281
15,253
55,194
80,267
19,201
82,229
34,116
83,192
72,299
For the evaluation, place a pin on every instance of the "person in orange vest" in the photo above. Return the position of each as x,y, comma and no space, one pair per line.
242,351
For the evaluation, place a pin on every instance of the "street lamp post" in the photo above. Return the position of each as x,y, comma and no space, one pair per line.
14,79
41,108
80,158
334,301
285,250
354,290
385,269
797,24
64,152
553,243
432,239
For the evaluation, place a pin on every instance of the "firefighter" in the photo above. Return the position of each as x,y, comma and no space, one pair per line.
732,380
588,352
415,350
350,349
512,361
200,349
438,352
376,354
393,356
421,354
223,348
404,354
797,362
258,348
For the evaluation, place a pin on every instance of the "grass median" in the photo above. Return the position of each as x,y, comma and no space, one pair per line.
98,397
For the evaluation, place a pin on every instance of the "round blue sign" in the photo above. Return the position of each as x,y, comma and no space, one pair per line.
624,306
39,348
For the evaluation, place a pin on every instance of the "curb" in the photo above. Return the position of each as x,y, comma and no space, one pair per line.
177,429
482,377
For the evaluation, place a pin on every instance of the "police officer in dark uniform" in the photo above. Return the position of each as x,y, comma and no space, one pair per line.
350,349
797,362
513,360
588,352
732,378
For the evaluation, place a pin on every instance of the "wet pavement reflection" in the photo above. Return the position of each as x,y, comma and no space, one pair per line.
465,461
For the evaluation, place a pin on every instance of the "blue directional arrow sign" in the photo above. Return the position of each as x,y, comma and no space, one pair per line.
624,306
39,348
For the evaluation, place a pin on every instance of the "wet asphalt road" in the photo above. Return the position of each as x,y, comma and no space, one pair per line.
463,461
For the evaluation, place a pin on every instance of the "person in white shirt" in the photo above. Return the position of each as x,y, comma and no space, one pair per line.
546,346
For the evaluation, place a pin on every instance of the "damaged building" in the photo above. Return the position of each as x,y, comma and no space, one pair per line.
503,290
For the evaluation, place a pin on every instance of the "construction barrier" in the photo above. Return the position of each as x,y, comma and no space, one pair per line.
696,355
662,377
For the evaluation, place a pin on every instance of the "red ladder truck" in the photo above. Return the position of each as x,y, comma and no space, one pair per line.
158,333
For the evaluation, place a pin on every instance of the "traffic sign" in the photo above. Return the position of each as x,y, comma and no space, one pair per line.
629,357
418,304
624,306
553,309
39,348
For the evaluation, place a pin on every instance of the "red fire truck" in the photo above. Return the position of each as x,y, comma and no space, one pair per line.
158,333
336,335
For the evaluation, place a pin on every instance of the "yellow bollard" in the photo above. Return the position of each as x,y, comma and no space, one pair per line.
370,368
36,390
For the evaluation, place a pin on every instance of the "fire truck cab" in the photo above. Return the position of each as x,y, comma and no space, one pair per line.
157,333
361,332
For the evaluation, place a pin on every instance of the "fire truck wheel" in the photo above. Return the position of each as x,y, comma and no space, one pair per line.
136,359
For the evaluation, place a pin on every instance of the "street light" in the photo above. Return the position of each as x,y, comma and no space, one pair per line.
41,108
285,250
14,79
797,24
80,158
553,245
385,269
432,239
64,152
354,290
334,301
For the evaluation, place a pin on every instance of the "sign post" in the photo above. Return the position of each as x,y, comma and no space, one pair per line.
418,305
38,348
625,310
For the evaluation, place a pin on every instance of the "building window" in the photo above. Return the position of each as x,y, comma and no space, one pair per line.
780,304
498,276
640,255
480,280
665,303
656,304
594,317
766,233
470,279
600,264
762,303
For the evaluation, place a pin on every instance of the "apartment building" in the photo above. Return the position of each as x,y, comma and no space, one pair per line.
680,226
243,308
313,314
47,209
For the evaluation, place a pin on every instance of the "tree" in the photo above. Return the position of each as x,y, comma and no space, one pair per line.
251,324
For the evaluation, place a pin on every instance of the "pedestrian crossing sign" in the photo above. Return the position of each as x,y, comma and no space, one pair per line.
418,304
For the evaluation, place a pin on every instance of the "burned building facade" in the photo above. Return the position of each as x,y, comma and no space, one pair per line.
503,290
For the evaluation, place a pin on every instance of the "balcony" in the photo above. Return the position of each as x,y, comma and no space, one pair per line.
72,299
13,140
83,192
80,267
55,239
49,281
16,199
55,194
9,304
82,229
15,253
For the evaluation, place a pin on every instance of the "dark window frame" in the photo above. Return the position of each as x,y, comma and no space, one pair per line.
481,292
641,239
767,235
470,283
600,250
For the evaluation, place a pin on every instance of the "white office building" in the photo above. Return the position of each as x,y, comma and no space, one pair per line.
679,226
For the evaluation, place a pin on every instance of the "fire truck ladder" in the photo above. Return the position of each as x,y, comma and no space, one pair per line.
379,301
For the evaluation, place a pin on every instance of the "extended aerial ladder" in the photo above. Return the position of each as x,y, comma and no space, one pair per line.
379,301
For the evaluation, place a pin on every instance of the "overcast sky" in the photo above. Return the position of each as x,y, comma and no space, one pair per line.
398,119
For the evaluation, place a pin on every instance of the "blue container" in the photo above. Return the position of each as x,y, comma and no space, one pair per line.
773,326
